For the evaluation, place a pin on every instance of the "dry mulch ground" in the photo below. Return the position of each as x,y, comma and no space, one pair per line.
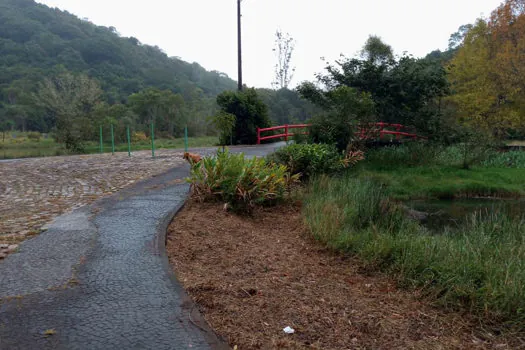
253,276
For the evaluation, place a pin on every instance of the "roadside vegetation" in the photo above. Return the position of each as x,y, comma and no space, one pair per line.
25,145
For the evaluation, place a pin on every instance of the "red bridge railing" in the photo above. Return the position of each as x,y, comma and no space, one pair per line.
286,134
369,131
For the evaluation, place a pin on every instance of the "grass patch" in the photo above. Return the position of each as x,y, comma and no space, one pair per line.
22,147
479,267
447,182
420,170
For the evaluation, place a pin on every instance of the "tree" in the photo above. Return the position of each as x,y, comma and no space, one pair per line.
403,90
250,112
345,108
487,72
71,99
376,51
224,122
457,38
284,47
147,104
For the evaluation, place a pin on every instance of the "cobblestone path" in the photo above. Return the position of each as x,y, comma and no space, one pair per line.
34,191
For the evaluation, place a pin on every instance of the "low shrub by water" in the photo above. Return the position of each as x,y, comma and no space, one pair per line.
314,159
480,266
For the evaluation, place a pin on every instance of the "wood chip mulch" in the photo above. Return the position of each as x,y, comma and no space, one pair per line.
253,276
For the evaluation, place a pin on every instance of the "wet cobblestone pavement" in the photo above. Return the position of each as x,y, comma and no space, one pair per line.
34,191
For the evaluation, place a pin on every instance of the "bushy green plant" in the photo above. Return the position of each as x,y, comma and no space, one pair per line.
240,181
34,136
410,154
344,108
310,159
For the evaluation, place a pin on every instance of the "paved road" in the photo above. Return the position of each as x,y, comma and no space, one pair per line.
99,277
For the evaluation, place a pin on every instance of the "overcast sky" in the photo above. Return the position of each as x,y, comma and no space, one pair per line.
204,31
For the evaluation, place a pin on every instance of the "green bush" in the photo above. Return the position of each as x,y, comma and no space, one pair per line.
242,182
410,154
309,159
34,136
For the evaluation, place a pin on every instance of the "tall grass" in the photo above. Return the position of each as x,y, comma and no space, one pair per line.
479,267
426,154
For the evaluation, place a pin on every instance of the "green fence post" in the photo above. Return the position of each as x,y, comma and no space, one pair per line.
186,139
129,142
152,139
101,141
112,140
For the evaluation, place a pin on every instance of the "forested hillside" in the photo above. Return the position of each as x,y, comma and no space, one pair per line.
38,42
42,47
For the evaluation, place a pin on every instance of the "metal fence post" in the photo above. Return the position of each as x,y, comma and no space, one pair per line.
112,140
101,141
153,139
129,141
186,138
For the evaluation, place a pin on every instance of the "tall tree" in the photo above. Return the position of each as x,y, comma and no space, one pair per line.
284,47
489,69
250,112
403,90
71,99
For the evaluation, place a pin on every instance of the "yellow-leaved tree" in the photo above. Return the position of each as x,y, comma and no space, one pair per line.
488,71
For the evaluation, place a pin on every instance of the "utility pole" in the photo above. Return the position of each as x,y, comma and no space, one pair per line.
239,37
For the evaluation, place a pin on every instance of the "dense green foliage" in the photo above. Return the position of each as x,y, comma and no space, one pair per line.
239,181
286,106
310,159
344,109
403,90
250,112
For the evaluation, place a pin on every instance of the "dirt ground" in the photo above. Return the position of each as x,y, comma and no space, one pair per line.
252,277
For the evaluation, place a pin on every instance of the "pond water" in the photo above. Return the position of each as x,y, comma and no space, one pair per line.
453,213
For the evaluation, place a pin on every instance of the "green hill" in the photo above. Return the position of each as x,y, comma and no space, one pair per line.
38,43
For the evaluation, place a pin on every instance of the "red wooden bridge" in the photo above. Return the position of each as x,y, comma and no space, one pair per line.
367,132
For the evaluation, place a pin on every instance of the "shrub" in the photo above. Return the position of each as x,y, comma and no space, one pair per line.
410,154
34,136
312,159
138,137
242,182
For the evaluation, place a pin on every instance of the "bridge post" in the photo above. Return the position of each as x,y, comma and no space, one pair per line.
258,136
286,132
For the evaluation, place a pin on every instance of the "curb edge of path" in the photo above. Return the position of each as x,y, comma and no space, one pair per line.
188,305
